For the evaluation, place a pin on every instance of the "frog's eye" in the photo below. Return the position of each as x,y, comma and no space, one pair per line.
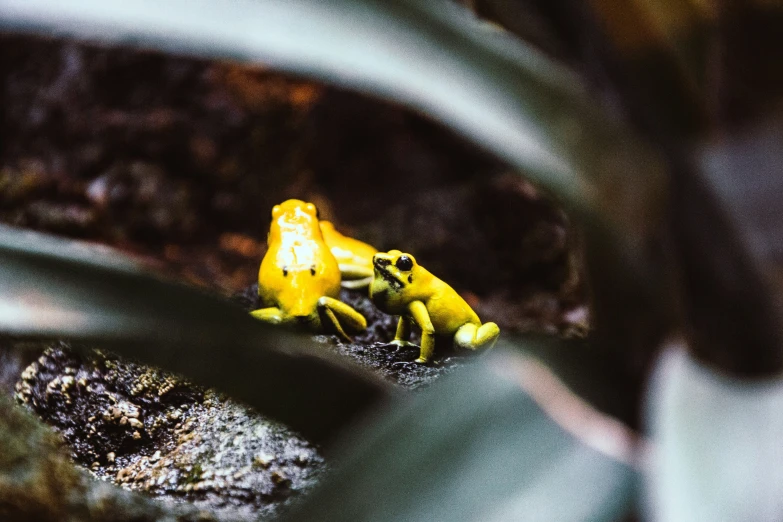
276,211
311,209
404,263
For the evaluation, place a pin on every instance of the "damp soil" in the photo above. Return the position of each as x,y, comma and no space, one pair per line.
178,162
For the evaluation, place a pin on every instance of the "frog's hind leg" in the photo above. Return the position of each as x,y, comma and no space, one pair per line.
272,315
474,336
336,313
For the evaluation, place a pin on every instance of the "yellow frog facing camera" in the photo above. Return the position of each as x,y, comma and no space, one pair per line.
299,278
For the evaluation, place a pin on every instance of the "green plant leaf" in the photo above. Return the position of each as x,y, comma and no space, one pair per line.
731,281
500,440
53,287
717,443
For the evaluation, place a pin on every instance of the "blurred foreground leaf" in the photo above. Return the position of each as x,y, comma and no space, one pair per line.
53,287
731,275
500,440
717,444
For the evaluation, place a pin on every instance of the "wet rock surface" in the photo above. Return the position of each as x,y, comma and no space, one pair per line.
151,431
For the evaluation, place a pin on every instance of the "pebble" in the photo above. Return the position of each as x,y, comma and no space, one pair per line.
263,460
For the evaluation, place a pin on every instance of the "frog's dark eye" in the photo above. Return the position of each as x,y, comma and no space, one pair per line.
404,263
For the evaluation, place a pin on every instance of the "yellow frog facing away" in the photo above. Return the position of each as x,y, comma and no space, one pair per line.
299,279
353,257
402,287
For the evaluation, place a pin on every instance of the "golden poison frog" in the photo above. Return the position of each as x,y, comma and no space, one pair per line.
353,257
299,279
402,287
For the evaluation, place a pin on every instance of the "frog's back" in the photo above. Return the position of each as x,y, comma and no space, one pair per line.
447,309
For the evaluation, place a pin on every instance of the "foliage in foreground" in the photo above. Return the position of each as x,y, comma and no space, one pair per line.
536,115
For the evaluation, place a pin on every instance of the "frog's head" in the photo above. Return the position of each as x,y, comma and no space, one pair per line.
294,215
396,268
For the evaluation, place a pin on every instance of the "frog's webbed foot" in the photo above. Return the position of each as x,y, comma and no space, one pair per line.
398,343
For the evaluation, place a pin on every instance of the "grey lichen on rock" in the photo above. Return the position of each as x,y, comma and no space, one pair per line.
148,430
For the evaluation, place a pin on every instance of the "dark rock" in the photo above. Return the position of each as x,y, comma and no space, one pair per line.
38,483
152,431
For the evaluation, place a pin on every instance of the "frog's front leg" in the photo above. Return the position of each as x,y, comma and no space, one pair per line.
338,314
421,316
473,336
272,315
358,276
401,338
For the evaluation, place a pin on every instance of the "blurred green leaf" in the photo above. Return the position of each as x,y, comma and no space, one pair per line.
727,213
717,444
500,440
53,287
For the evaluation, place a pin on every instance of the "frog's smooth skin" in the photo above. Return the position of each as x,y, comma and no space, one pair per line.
353,257
402,287
299,279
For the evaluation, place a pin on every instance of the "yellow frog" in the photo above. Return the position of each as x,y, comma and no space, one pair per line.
299,279
402,287
353,256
